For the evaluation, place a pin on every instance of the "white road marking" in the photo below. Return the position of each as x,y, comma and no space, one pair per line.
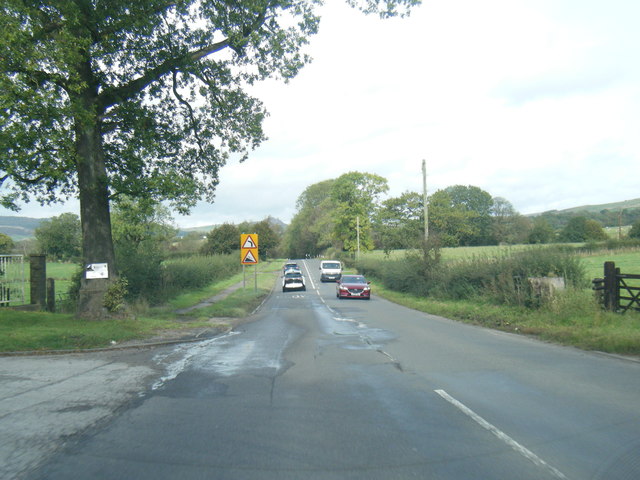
501,435
306,267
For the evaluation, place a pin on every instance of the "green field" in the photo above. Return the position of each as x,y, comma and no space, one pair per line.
628,260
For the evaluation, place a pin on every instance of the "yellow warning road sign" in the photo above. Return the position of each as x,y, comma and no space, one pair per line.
249,248
249,240
249,256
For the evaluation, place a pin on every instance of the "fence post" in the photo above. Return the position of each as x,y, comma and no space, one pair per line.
610,287
38,280
51,295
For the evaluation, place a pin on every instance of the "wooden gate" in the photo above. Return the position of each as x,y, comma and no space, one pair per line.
619,292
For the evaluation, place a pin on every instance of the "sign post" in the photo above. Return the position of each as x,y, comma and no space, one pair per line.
249,255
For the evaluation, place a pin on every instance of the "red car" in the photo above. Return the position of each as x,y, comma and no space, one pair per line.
353,286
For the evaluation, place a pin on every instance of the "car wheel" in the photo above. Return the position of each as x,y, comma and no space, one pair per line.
284,289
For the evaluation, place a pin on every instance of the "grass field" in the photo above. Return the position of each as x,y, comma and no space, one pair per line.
627,260
37,331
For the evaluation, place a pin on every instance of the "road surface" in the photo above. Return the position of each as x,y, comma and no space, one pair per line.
321,388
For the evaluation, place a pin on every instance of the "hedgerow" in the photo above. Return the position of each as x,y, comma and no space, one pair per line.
502,279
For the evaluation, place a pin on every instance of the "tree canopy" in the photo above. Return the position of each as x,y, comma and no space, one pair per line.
146,99
60,237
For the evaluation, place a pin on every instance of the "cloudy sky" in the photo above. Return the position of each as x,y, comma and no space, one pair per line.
536,101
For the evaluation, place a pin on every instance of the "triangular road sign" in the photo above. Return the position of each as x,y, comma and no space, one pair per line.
249,257
249,243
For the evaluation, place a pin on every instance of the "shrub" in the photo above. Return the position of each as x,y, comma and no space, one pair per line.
114,298
501,279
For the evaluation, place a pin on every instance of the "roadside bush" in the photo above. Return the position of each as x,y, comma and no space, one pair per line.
419,272
501,279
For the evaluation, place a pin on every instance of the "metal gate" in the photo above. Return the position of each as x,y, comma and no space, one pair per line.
12,280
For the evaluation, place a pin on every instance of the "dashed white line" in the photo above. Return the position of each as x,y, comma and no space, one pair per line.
501,435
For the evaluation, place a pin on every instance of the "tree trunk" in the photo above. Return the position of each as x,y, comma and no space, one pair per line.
97,243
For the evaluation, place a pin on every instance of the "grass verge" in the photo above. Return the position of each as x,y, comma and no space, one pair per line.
571,319
42,331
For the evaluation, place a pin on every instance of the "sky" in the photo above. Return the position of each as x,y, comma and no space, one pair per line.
535,101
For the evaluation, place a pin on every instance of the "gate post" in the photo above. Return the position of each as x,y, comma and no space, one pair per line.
38,280
611,301
51,295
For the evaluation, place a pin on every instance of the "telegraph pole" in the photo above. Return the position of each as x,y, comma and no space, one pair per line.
424,200
358,237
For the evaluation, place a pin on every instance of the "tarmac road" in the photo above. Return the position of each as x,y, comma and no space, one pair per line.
320,388
47,399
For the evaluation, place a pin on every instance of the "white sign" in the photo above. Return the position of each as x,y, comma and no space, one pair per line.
97,270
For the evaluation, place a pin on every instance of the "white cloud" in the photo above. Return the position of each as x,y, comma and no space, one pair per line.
536,101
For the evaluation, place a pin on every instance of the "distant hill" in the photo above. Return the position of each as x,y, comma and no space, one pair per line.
275,222
19,228
616,215
617,206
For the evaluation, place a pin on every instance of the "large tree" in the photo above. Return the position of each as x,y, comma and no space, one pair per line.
310,230
354,197
144,98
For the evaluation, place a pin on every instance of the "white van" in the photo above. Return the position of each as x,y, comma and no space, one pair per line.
330,270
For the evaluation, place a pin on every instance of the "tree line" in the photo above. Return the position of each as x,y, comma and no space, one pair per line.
330,214
335,215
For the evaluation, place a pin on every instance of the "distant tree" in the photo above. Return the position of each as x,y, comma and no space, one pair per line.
222,240
452,223
355,197
479,203
580,229
399,222
60,237
635,230
541,232
6,244
594,231
268,238
507,225
309,232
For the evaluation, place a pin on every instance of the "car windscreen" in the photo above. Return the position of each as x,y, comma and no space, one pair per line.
352,279
293,275
330,265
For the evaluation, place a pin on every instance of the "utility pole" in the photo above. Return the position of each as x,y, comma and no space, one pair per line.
357,237
424,200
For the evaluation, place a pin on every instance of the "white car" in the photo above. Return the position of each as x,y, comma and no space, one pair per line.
293,280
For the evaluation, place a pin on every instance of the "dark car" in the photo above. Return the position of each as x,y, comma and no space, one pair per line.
290,266
353,286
